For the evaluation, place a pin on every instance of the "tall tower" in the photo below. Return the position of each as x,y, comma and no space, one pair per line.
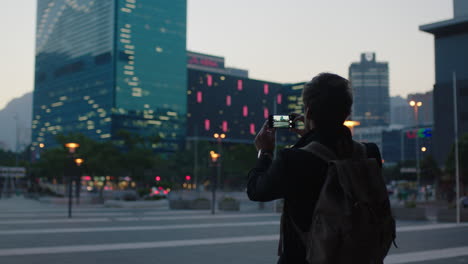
369,80
103,66
451,58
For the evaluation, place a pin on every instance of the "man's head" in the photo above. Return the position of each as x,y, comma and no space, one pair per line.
327,101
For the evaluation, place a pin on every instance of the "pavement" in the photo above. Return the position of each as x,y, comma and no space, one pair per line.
34,232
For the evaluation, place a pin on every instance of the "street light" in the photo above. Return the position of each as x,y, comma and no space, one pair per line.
351,124
416,106
72,147
71,150
423,149
79,161
215,164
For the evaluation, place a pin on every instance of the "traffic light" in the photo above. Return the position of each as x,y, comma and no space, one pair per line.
157,178
188,177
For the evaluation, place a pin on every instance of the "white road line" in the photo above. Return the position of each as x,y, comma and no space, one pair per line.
132,228
188,226
429,227
158,218
129,219
101,214
427,255
53,221
418,256
126,246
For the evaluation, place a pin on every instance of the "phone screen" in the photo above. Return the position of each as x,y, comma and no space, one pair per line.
281,121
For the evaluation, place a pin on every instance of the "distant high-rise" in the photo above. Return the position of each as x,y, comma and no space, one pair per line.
451,60
369,80
103,66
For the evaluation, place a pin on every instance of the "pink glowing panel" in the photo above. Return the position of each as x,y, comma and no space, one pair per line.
279,98
252,129
199,97
266,88
225,126
228,100
209,80
265,113
245,111
207,124
239,85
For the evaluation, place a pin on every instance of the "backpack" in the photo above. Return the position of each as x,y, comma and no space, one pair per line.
352,221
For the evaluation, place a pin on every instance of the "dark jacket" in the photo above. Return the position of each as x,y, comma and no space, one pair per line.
297,177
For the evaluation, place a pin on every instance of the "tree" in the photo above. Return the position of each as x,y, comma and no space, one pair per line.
237,161
430,171
463,161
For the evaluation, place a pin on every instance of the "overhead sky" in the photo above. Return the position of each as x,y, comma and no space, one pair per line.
276,40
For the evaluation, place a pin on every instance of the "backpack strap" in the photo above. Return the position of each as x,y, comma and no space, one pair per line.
320,151
359,150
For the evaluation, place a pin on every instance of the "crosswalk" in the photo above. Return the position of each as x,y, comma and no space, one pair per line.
114,235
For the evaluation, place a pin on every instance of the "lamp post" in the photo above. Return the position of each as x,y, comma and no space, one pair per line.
78,163
71,150
416,106
219,138
214,163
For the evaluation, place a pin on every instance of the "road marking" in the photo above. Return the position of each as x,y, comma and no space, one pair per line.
132,228
223,216
101,214
427,255
418,256
191,226
54,221
129,219
127,246
429,227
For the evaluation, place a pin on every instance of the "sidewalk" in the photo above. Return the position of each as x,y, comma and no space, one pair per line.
21,204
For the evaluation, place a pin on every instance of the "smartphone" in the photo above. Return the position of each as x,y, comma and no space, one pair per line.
281,121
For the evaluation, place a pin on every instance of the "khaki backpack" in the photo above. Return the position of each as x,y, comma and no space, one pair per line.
352,221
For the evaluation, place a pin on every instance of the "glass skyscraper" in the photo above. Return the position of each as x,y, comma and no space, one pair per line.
105,65
370,83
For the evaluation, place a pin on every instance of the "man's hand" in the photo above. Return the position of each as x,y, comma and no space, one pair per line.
298,117
265,139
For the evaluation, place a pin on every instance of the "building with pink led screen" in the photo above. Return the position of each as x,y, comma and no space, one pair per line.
225,100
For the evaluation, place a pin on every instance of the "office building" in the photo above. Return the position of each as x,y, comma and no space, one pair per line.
451,62
370,83
222,103
104,66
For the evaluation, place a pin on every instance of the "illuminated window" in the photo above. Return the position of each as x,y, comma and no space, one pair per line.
228,100
265,113
207,124
225,126
265,88
239,85
252,129
279,98
209,80
245,111
199,97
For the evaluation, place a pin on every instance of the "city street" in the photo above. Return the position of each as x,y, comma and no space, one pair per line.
33,232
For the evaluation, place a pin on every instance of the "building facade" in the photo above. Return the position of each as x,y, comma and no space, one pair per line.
451,63
104,66
222,102
370,83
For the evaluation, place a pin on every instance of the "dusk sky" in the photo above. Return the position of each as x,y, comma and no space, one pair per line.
276,40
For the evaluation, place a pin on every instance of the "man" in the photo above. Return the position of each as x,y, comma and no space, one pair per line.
296,175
